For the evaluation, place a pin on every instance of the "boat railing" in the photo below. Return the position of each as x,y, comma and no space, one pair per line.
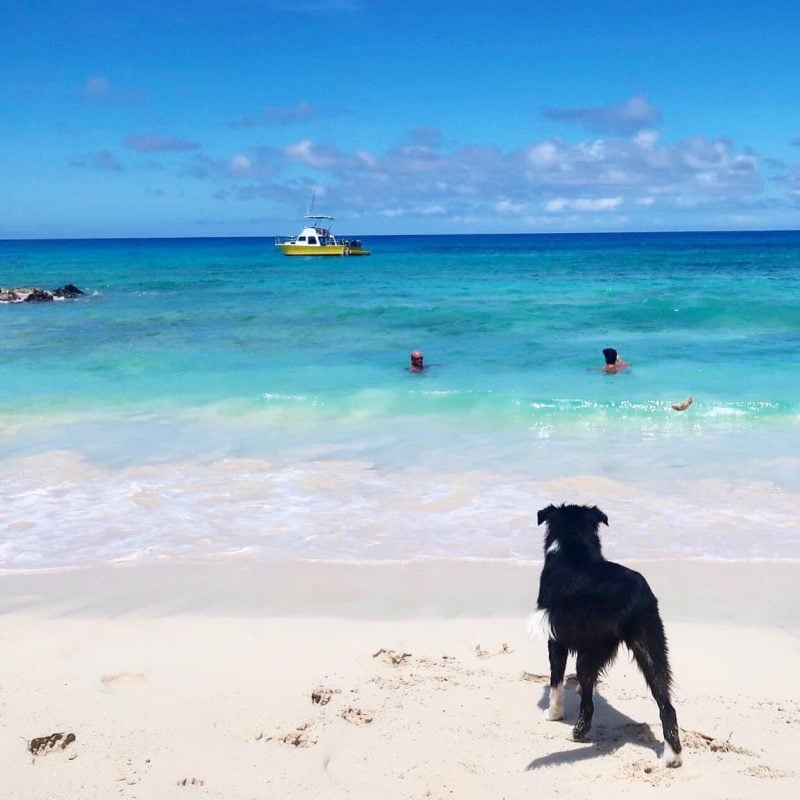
322,240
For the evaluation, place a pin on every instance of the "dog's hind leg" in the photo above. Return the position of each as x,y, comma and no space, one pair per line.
590,663
649,648
558,665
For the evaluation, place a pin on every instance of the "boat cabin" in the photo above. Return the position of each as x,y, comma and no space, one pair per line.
315,237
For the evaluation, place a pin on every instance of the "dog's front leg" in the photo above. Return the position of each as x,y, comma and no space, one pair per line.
558,666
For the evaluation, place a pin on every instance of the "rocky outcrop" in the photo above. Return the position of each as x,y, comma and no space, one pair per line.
35,295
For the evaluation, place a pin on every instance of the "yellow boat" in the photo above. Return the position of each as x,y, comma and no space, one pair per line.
316,239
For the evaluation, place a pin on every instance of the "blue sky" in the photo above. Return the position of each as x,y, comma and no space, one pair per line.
221,117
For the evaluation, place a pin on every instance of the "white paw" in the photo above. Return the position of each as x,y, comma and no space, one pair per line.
556,709
669,758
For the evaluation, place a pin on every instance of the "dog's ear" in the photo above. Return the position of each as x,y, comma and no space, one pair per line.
599,516
545,513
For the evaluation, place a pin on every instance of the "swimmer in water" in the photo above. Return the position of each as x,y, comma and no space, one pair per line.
417,361
613,362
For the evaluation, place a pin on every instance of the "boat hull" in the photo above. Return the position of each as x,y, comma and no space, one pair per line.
289,249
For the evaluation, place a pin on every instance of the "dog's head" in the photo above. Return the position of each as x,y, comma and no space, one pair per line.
572,529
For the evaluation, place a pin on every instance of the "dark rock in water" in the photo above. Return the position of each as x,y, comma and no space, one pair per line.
69,291
39,296
35,295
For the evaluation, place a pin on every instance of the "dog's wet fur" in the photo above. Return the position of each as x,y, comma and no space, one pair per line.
589,607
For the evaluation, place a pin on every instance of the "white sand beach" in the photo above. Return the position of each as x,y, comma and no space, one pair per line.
416,681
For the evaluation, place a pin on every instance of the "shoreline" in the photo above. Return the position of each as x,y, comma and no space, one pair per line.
742,592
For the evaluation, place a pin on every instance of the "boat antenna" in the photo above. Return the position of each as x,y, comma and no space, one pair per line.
311,203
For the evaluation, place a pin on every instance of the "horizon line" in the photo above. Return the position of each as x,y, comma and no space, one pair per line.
404,235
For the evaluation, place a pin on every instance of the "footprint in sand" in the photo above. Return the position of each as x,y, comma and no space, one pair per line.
323,696
764,771
535,677
356,716
54,741
120,681
702,741
301,736
191,782
505,649
392,657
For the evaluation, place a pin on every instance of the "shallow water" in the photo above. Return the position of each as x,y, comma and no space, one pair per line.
210,398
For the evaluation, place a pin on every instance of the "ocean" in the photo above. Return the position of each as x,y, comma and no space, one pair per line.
212,399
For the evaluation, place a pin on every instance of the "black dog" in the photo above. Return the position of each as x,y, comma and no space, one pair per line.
590,606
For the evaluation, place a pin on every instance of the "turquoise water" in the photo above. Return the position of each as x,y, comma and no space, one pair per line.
213,398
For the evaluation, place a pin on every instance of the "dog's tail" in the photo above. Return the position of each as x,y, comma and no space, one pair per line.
539,625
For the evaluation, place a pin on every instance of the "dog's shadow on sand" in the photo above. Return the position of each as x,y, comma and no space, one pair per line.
610,731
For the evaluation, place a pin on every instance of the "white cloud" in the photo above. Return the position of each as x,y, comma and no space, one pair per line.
235,168
646,139
366,158
545,155
563,178
566,181
313,155
241,165
582,204
506,206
